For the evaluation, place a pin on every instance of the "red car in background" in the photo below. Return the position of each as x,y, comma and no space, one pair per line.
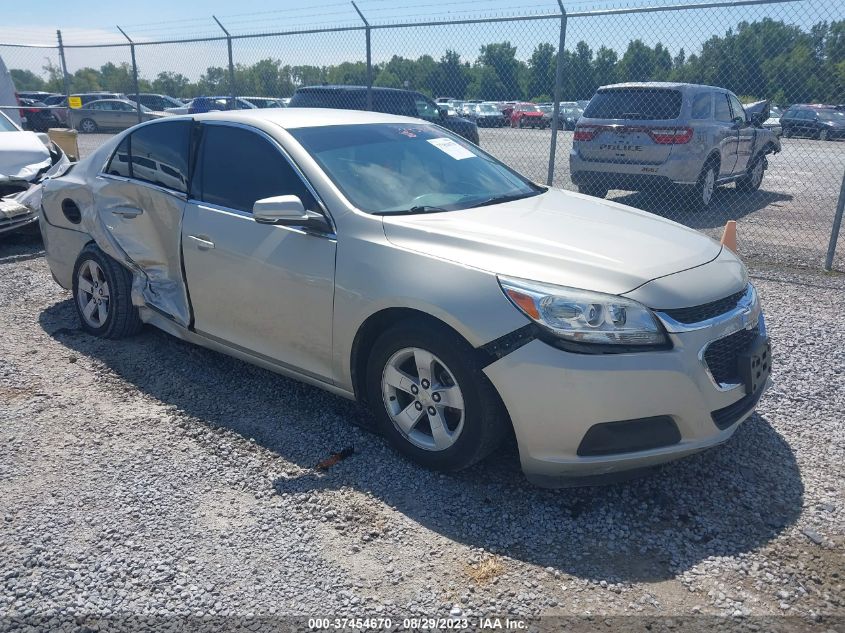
527,115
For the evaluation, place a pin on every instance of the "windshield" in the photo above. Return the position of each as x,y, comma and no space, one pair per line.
391,168
635,103
775,112
832,115
488,107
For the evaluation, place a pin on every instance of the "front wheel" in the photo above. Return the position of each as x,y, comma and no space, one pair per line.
787,132
430,397
102,295
824,135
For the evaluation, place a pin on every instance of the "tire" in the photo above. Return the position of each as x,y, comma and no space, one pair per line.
597,191
787,132
753,177
472,432
521,123
97,277
824,135
87,126
701,194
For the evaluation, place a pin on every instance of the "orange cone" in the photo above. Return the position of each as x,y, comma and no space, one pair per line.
729,235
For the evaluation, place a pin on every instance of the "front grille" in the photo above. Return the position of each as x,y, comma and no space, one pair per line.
722,355
706,311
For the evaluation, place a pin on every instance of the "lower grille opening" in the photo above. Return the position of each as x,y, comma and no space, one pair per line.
730,415
629,436
722,355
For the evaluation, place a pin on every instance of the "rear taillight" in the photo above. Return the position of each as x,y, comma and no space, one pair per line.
671,135
586,133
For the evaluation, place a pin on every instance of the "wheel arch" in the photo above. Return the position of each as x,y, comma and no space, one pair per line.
370,330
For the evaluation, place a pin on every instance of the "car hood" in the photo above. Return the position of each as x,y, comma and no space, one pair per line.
22,155
560,238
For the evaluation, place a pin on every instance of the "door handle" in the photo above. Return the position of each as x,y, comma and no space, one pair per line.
128,212
202,242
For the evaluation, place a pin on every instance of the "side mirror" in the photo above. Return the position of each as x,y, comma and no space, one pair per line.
288,211
279,209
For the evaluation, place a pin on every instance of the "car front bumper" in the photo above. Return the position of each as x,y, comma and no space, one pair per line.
555,397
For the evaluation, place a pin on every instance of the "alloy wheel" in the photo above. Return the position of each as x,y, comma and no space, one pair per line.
708,186
92,294
423,399
757,174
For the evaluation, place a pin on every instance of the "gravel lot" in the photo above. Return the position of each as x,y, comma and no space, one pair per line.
151,479
787,222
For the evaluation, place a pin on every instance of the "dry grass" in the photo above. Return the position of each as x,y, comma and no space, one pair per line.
485,571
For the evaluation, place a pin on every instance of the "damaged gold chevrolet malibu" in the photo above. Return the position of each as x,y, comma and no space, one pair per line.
386,259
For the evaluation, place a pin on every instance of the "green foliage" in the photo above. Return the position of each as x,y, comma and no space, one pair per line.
765,59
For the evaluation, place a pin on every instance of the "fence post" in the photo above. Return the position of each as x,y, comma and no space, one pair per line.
234,104
65,80
134,73
837,223
369,58
558,82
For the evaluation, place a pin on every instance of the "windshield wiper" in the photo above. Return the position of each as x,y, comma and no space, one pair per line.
423,208
505,198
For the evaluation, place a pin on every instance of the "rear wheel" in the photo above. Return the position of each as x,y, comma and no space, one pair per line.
701,194
753,177
431,399
824,135
787,132
102,295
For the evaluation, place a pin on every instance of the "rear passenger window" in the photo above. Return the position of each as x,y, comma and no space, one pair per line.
701,106
723,110
237,167
158,146
119,164
156,153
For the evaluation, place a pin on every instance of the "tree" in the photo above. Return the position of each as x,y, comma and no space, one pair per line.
26,80
637,63
452,76
604,66
170,83
500,58
541,71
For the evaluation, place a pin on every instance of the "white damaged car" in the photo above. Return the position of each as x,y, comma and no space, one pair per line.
26,159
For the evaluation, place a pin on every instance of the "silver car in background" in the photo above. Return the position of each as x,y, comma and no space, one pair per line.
109,114
656,135
388,260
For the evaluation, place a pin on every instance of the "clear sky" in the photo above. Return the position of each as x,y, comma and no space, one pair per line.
85,22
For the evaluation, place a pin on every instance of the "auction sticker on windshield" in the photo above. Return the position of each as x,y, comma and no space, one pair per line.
74,102
452,148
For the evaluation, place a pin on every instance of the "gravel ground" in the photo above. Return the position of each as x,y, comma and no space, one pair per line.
148,478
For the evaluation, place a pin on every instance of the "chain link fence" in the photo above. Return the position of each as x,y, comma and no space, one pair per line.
532,85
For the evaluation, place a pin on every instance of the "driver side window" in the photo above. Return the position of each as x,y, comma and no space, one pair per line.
738,111
236,167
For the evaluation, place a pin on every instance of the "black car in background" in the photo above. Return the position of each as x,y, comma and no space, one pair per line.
387,100
37,116
155,102
823,123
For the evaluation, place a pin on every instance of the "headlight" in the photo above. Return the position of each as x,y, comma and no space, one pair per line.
581,317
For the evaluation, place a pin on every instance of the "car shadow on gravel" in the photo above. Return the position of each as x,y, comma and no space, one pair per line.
20,246
724,502
727,204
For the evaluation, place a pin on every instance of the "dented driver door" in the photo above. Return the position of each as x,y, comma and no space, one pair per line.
141,207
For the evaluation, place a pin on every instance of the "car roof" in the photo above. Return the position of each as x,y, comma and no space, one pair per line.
345,88
291,118
660,84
